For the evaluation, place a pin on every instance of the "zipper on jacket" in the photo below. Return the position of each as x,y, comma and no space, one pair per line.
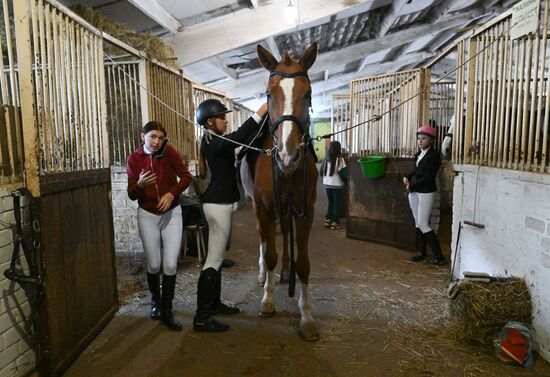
156,185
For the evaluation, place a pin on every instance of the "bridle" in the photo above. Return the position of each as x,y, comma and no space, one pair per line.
302,125
305,144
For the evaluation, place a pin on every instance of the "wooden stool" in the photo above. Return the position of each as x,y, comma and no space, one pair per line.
201,247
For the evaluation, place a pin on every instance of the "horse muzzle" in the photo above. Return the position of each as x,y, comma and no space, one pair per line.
288,162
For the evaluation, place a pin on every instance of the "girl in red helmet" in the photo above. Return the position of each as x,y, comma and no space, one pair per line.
422,188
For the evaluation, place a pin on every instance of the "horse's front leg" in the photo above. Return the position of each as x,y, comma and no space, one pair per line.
285,269
267,233
308,327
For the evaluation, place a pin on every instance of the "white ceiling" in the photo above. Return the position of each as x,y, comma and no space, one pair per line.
215,40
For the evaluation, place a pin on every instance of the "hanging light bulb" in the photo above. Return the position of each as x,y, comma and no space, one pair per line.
291,13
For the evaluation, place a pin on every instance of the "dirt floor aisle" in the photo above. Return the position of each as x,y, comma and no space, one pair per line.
377,313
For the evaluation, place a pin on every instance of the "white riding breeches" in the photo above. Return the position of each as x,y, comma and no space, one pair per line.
161,232
219,226
421,207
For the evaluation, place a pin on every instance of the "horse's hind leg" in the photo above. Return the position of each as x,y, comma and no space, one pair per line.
308,327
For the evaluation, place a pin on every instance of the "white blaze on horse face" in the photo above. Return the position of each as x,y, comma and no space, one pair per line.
287,85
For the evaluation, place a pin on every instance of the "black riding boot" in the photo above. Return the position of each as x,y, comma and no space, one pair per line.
420,246
153,281
219,307
204,321
438,258
166,315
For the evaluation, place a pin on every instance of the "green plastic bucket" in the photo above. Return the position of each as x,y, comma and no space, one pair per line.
373,166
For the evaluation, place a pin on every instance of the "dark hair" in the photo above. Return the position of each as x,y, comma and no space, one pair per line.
334,151
153,126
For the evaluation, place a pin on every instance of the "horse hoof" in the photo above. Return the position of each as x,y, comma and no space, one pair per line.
285,277
266,314
308,332
267,310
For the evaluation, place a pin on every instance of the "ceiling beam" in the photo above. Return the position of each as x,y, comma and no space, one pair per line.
390,17
349,54
272,47
254,3
247,26
218,63
153,10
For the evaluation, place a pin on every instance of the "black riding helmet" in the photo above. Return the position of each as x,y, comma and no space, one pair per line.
208,109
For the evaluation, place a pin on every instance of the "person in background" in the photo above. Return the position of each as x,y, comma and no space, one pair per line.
422,188
153,171
218,156
334,172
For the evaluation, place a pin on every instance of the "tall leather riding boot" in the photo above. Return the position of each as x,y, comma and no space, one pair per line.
153,281
219,307
204,321
420,246
433,242
166,315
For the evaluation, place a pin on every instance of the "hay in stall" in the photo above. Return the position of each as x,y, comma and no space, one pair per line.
481,309
150,44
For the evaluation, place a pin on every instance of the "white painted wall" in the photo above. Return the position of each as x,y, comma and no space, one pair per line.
16,356
515,209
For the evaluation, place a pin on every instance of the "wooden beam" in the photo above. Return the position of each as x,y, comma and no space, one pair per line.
22,15
273,48
218,63
349,54
247,26
390,17
153,10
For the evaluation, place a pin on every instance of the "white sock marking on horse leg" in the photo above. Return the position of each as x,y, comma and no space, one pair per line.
304,305
261,263
268,304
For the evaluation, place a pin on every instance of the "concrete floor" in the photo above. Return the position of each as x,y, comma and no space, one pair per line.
378,315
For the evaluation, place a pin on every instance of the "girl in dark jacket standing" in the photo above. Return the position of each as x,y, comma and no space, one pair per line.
422,188
217,203
153,172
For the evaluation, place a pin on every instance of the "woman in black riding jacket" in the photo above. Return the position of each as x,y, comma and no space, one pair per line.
217,203
422,188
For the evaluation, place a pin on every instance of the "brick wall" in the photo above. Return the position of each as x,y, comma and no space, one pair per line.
16,356
124,214
515,209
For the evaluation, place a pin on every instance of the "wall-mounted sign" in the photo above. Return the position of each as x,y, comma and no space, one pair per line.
525,18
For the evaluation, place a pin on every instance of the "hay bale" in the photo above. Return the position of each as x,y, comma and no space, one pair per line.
482,309
150,44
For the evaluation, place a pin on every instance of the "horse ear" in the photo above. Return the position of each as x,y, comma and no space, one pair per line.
308,56
266,59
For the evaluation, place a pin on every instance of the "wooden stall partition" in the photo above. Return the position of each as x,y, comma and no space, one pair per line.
385,112
378,209
170,102
340,119
60,61
11,148
506,90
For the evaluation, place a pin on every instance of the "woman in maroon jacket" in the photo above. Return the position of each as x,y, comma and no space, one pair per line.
153,172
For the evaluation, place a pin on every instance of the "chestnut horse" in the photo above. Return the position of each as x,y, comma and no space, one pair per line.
283,185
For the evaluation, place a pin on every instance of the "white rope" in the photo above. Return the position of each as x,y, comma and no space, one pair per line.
266,151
